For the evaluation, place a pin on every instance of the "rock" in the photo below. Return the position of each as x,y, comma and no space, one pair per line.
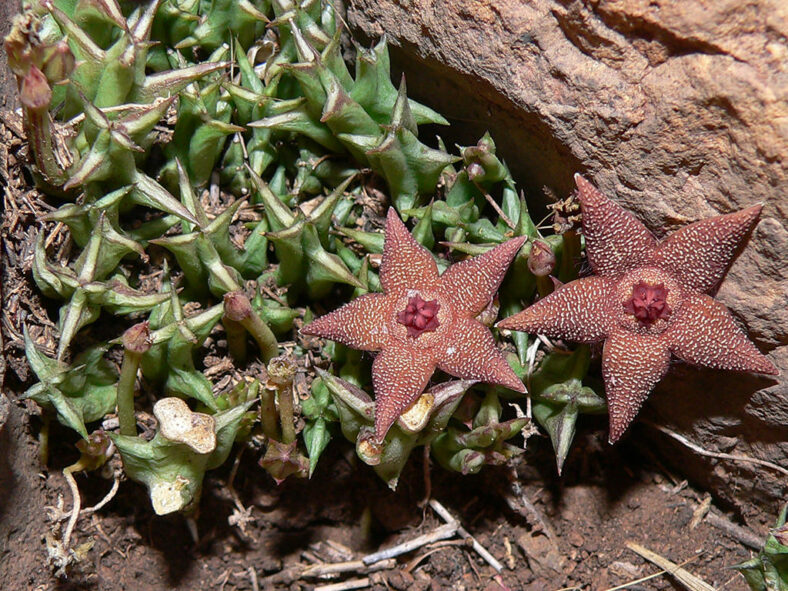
677,110
5,410
8,88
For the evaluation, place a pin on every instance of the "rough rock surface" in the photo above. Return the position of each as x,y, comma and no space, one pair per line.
679,110
7,81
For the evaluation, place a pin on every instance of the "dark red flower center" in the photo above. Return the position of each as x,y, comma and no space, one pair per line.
419,316
648,303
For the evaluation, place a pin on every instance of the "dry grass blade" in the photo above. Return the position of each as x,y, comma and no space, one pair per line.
647,577
684,577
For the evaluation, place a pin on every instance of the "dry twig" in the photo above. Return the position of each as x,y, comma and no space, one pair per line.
480,550
716,454
686,578
441,533
346,585
736,532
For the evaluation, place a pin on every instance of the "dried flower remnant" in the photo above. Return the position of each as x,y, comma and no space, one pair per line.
423,321
647,301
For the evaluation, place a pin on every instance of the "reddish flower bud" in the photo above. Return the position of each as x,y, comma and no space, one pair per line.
237,306
475,170
541,260
35,93
137,338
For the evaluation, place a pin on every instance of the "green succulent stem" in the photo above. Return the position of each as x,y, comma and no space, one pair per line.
544,286
281,371
236,339
268,416
38,129
286,415
570,256
136,341
238,308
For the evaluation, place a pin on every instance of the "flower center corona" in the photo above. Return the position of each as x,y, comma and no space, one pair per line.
419,316
648,303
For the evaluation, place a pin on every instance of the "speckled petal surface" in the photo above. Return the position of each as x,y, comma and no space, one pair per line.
472,354
471,284
616,241
406,263
631,365
399,376
578,311
699,254
359,324
706,334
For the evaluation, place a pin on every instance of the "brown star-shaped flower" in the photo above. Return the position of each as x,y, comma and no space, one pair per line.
647,300
423,320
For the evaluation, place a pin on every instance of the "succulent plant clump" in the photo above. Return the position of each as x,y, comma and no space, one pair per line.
221,171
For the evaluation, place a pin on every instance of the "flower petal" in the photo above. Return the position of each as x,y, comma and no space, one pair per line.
471,284
699,254
704,333
632,364
616,241
361,324
578,311
406,263
473,355
399,376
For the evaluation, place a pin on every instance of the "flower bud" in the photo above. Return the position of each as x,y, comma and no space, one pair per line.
35,93
59,62
237,306
541,260
137,338
475,171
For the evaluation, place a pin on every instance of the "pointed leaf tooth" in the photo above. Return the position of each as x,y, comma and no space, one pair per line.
306,53
400,114
278,214
108,10
94,166
375,92
331,56
140,120
221,278
140,22
559,421
184,247
321,215
371,241
349,394
344,115
298,120
189,199
72,317
75,34
120,299
149,192
171,82
249,8
327,265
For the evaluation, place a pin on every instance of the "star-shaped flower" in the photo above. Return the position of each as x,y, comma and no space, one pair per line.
423,320
647,301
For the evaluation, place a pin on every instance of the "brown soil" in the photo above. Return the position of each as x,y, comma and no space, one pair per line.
548,532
